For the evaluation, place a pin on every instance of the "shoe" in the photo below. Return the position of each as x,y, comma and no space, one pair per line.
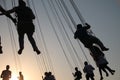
107,74
112,72
20,51
37,51
105,49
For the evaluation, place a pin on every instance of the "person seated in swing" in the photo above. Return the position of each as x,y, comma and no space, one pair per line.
77,74
25,25
101,62
0,46
6,14
88,69
88,40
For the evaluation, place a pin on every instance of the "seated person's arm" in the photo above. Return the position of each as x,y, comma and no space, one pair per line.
87,26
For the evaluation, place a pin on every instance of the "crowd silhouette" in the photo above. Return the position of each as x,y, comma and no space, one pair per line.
88,69
48,76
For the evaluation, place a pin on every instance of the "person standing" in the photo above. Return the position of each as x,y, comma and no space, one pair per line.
21,77
77,74
6,74
88,69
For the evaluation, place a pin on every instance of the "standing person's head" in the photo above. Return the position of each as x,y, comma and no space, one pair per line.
7,67
86,63
76,68
20,73
46,73
22,3
50,73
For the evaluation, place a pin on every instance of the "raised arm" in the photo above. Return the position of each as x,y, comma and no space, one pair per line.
87,26
7,13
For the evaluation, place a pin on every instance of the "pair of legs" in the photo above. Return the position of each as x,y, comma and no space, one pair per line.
90,76
90,40
30,38
104,69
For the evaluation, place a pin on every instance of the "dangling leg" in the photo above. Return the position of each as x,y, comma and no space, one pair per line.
110,70
98,42
105,71
21,42
32,41
92,77
100,71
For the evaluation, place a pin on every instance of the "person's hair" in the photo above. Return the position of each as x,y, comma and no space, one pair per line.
20,72
79,26
7,66
22,3
86,63
76,68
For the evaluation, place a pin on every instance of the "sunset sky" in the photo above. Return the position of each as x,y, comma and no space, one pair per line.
54,37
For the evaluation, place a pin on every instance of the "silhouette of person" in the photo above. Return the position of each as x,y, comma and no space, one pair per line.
8,15
6,74
48,76
102,63
25,24
21,77
51,76
0,46
88,69
88,40
77,74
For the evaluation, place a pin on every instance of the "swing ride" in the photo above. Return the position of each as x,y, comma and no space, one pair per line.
53,14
